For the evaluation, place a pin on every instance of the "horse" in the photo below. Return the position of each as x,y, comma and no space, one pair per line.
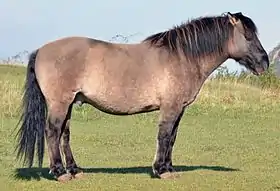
164,72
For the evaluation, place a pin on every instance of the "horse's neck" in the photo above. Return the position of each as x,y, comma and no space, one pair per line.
209,64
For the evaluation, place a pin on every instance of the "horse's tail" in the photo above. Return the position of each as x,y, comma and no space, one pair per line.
33,118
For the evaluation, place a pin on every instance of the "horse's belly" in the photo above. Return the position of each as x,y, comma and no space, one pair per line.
122,105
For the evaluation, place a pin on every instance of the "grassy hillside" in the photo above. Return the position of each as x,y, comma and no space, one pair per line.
228,140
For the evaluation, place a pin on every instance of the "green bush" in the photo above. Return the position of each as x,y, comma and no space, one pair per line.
267,80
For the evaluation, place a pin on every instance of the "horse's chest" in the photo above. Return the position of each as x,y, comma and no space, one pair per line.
191,93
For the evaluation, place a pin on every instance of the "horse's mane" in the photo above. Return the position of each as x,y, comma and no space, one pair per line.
201,36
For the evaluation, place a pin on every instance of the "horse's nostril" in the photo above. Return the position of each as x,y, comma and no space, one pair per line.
265,62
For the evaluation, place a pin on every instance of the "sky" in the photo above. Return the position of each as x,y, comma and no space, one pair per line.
28,24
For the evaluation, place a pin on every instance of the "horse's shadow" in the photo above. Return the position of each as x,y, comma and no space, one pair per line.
38,173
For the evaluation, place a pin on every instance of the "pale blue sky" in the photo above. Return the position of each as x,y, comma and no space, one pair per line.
27,24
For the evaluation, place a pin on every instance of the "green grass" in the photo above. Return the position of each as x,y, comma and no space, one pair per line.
227,140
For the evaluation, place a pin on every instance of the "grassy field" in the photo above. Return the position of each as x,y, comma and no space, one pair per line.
228,140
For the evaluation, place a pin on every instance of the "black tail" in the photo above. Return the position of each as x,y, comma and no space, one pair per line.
33,118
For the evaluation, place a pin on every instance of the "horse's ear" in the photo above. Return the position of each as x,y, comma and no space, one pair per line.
235,21
232,19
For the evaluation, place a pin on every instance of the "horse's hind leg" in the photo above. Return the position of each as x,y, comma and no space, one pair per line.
71,165
56,117
169,117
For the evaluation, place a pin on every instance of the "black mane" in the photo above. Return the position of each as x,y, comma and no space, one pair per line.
201,36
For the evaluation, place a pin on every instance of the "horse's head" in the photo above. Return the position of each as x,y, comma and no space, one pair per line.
244,45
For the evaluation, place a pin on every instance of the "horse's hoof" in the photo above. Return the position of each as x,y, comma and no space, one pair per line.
78,175
64,177
169,175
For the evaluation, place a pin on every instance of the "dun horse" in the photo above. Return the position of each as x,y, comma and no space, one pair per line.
164,72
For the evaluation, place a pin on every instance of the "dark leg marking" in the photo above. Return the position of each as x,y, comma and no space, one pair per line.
169,117
53,131
168,158
71,166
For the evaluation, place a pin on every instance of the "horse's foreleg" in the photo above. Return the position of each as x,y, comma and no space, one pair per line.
71,166
168,157
169,117
56,118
